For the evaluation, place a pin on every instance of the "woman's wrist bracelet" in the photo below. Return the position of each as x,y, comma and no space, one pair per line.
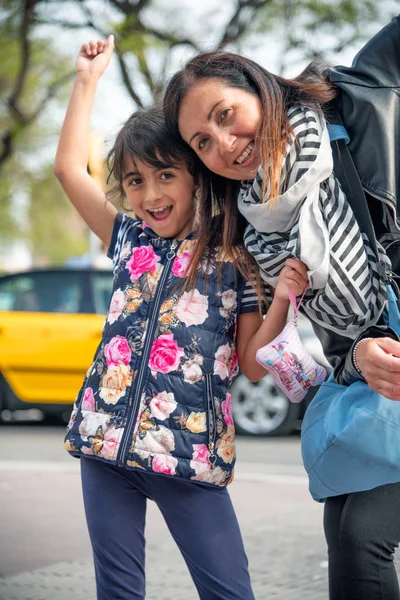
354,356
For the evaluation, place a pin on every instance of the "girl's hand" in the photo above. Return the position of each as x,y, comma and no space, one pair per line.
378,361
294,277
94,57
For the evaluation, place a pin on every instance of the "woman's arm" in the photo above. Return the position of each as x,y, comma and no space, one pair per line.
254,332
73,148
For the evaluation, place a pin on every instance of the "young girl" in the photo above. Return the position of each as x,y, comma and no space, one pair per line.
153,418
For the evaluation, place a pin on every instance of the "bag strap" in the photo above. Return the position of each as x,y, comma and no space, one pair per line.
295,304
346,172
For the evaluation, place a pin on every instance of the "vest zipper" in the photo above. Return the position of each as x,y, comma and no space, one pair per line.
212,421
134,400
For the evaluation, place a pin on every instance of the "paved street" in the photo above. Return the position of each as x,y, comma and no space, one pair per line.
44,547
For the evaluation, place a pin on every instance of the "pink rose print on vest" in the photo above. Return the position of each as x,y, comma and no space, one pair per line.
221,363
117,305
114,382
200,462
234,368
117,351
155,442
143,259
162,405
226,407
73,416
181,264
91,422
165,355
192,308
88,402
112,438
229,303
105,444
163,463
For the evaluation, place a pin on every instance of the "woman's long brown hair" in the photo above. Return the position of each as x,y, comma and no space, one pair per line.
276,94
220,226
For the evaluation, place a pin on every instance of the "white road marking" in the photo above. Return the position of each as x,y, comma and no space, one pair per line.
244,471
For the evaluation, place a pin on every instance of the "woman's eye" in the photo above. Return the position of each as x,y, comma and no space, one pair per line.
167,176
224,114
202,143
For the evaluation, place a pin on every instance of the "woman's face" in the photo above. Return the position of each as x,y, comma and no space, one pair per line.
220,123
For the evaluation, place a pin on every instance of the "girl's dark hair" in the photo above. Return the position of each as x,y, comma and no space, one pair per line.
145,137
276,95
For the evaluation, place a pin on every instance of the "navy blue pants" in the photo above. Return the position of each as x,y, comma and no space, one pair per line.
201,520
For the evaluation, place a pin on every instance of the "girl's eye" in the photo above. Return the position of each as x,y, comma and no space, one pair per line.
167,176
202,143
135,181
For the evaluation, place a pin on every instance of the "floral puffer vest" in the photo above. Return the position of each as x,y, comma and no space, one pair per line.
156,396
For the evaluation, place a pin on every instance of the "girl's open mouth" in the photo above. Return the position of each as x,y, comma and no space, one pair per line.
159,214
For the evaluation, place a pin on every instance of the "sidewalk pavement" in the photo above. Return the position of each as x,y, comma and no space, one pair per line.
281,526
273,576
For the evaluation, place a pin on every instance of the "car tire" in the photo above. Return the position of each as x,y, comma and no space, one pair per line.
56,419
262,409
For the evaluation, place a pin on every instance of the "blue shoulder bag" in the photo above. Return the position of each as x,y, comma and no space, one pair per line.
351,434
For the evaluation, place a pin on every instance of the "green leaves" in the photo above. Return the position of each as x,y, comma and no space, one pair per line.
153,37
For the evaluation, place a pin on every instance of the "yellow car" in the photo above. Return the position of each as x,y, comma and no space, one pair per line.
50,325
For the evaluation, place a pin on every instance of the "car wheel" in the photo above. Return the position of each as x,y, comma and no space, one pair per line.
56,418
262,408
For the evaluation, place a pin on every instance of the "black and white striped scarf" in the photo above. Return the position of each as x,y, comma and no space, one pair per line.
312,220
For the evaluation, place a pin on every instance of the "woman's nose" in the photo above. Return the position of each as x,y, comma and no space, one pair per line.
226,142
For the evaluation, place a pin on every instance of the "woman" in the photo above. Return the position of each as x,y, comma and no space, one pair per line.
236,116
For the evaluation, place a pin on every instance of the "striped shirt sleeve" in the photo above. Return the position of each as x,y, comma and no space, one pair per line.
250,299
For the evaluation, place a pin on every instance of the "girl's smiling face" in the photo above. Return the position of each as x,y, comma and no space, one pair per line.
163,197
221,123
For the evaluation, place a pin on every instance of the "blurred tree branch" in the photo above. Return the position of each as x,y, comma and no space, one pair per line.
151,35
136,35
21,117
245,12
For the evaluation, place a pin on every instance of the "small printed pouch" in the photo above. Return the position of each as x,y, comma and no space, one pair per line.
291,366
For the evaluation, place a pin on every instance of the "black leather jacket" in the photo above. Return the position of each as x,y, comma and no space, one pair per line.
369,104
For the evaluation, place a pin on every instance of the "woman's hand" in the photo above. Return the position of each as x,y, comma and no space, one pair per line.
379,361
294,277
94,57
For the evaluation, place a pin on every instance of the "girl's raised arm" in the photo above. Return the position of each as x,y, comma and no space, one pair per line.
73,147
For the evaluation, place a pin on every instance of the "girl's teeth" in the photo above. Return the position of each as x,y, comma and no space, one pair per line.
156,210
245,154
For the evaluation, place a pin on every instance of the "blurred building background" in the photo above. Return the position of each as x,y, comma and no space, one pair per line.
40,40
